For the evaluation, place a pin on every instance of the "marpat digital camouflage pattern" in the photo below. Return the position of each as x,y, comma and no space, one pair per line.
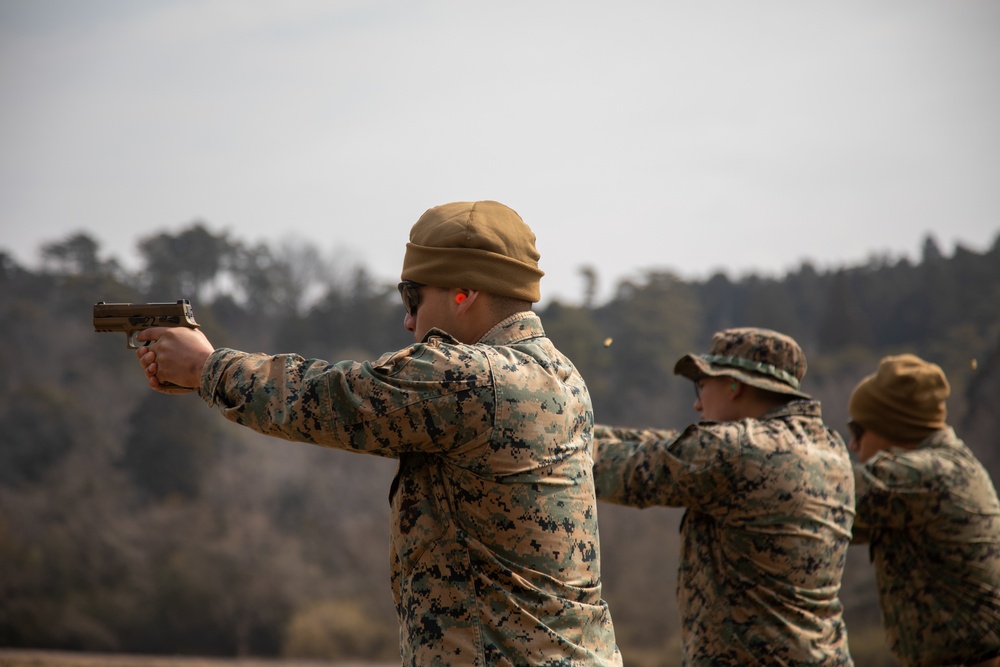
932,518
495,554
769,509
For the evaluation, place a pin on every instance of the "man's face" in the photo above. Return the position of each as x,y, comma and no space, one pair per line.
427,307
714,399
865,443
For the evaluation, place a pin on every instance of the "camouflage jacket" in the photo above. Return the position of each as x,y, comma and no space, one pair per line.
495,557
769,509
932,520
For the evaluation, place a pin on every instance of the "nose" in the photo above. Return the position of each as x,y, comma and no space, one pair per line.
409,323
853,444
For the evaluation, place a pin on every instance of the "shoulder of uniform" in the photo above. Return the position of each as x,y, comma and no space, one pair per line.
435,336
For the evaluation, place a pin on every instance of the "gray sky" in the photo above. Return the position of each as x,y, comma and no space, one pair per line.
691,137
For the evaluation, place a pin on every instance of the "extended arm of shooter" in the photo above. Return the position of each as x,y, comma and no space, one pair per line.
131,318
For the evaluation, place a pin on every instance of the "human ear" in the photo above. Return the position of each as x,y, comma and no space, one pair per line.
464,299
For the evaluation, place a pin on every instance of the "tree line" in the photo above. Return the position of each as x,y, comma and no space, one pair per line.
131,521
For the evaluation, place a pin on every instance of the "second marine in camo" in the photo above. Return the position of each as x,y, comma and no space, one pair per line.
769,497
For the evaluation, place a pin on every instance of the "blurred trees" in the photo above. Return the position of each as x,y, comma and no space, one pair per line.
136,522
33,442
185,263
170,445
77,255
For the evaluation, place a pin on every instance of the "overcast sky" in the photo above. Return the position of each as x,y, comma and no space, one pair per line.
690,137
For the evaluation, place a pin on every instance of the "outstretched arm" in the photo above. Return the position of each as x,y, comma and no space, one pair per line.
647,467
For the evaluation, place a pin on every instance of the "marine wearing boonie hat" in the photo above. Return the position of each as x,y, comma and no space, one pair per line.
481,245
758,357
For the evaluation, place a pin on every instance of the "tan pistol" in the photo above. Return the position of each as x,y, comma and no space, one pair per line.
131,318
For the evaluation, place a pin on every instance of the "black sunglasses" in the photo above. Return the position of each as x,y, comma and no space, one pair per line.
697,386
409,291
856,429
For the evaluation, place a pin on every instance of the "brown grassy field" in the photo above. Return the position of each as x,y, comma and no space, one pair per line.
33,658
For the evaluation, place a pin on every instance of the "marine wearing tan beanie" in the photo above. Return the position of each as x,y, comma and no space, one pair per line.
480,245
904,400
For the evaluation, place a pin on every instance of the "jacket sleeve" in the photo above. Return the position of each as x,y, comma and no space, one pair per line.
425,398
643,468
889,495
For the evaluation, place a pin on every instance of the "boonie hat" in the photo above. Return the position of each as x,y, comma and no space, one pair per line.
480,245
904,399
758,357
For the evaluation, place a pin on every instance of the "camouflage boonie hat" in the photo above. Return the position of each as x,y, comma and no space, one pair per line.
758,357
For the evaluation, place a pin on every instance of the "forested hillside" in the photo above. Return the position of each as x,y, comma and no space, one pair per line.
132,521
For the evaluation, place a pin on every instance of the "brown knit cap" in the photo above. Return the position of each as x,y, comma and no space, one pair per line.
480,245
903,400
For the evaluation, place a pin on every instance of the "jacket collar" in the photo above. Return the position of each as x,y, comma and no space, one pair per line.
516,328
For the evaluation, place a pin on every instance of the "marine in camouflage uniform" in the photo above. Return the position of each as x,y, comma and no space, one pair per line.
769,494
495,557
929,511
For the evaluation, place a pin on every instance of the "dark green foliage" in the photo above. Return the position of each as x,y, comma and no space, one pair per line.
650,325
184,263
170,446
131,521
33,441
843,324
359,321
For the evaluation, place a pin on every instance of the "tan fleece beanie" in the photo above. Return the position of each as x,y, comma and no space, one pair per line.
903,400
480,245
